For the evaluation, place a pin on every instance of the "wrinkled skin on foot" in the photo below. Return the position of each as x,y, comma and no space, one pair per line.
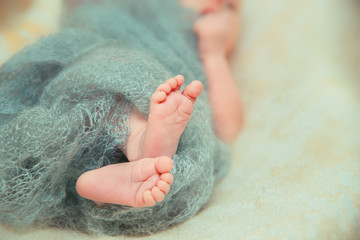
138,184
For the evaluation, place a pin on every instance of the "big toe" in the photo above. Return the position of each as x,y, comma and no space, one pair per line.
164,164
193,90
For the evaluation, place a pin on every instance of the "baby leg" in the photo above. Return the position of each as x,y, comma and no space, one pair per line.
217,33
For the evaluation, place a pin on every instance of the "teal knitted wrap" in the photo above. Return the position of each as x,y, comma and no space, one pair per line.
55,99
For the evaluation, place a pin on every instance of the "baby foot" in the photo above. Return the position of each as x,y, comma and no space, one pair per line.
140,183
217,30
170,111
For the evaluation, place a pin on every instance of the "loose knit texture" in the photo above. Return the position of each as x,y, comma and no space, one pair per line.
64,110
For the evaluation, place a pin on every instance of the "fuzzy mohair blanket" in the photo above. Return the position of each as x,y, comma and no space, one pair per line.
65,103
296,169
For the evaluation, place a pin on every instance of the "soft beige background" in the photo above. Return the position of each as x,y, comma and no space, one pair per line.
296,166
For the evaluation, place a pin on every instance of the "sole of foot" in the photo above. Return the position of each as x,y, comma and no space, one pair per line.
170,111
141,183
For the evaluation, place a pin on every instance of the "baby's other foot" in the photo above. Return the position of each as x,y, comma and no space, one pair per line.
139,183
217,30
208,6
170,111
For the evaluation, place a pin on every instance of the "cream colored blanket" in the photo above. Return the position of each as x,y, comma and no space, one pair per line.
296,165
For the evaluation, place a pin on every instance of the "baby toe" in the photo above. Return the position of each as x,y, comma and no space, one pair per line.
167,177
148,199
172,82
163,186
180,80
193,90
165,87
158,194
158,97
